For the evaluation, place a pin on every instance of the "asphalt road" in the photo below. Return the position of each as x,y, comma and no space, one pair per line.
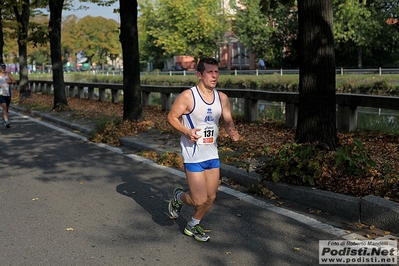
66,201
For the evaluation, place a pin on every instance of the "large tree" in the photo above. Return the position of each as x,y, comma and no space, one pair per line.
356,24
60,98
132,99
8,31
270,35
1,35
22,14
192,27
39,43
70,36
252,27
317,104
148,20
97,38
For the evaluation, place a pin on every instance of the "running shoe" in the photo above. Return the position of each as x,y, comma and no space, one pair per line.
197,232
6,124
174,205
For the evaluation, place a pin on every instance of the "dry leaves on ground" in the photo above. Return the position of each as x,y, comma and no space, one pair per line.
382,148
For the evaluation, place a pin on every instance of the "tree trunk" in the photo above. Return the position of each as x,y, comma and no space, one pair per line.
132,99
359,57
60,98
1,38
317,104
23,23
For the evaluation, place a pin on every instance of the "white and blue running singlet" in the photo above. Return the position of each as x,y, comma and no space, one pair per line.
206,117
4,86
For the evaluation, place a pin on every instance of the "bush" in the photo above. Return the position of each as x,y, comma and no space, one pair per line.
304,163
355,159
295,162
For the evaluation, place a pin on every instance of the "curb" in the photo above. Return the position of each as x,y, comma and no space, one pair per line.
62,122
370,210
56,121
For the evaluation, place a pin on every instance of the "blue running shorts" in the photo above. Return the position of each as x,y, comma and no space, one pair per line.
5,99
200,167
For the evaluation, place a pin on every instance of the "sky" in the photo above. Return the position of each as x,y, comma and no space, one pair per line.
94,11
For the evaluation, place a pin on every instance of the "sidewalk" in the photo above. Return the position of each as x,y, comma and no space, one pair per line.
369,210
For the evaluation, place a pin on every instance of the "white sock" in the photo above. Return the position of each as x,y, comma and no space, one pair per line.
193,222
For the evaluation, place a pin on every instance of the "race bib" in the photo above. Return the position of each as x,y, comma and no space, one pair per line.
4,89
4,92
208,134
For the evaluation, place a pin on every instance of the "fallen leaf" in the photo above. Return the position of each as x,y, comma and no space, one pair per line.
359,225
69,229
297,248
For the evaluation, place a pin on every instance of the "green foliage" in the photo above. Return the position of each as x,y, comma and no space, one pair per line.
250,25
388,171
183,27
266,34
304,163
351,23
97,37
147,21
296,161
362,27
354,158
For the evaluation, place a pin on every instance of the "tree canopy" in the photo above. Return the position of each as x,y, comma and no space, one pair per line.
190,27
97,37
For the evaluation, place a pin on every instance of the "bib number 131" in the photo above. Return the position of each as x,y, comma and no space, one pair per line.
208,135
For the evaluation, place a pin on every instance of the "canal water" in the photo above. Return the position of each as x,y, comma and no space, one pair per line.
375,119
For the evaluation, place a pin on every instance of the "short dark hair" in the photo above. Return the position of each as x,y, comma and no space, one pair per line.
206,60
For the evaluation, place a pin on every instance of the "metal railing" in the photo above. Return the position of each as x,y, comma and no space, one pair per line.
270,71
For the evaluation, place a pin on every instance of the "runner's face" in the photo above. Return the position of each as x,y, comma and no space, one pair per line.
210,76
